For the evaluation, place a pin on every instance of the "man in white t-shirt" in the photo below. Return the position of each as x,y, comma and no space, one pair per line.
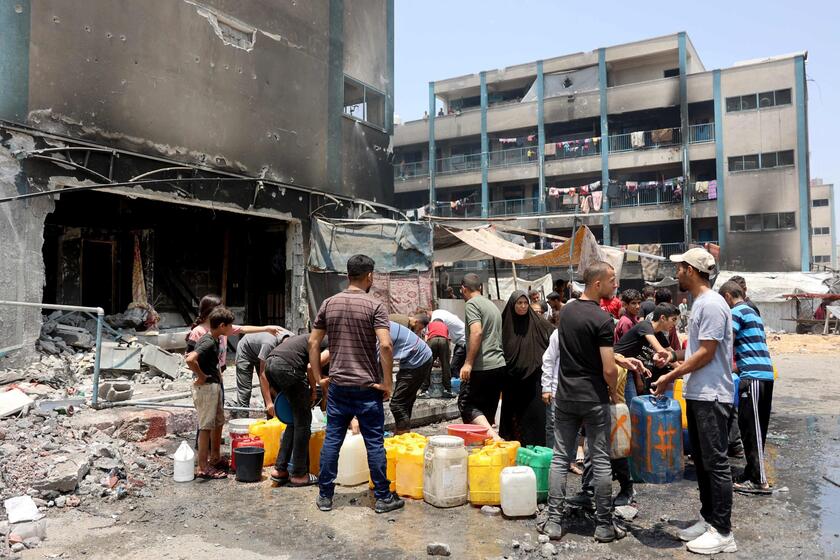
709,393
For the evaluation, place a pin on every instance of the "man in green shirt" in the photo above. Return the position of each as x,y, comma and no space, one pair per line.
481,374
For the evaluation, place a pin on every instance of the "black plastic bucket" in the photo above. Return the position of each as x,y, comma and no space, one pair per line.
249,463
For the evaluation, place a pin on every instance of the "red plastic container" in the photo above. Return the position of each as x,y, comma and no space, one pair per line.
242,440
470,433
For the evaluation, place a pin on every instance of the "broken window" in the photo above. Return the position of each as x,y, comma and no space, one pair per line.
364,103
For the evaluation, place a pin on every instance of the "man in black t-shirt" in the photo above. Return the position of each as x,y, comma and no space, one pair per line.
287,371
586,383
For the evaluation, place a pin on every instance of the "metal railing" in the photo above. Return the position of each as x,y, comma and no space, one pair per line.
644,198
565,149
95,312
699,133
569,149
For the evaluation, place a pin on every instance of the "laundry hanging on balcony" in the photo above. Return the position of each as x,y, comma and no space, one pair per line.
637,139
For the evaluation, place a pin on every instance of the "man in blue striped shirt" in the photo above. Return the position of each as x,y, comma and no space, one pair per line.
415,358
756,388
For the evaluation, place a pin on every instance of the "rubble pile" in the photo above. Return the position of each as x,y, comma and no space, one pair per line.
44,457
66,334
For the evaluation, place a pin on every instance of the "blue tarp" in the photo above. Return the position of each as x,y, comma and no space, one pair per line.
394,246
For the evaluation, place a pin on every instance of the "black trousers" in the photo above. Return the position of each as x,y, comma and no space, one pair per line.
405,393
753,418
440,349
708,430
459,356
294,445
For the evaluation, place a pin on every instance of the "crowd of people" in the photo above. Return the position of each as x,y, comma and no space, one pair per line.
556,366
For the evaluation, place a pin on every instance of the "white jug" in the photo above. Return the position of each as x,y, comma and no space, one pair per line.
519,491
352,461
184,463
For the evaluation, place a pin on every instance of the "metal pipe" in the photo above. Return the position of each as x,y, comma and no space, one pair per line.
146,404
94,399
97,310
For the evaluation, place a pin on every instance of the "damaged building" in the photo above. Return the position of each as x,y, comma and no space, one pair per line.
191,142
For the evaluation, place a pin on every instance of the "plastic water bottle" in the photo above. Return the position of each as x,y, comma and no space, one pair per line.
184,463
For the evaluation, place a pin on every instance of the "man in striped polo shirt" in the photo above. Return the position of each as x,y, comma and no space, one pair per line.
756,388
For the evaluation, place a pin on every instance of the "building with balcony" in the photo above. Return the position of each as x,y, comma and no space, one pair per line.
638,141
823,236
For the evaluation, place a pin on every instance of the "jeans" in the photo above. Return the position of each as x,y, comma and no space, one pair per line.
568,418
440,349
753,418
459,356
343,403
549,425
294,446
708,431
405,393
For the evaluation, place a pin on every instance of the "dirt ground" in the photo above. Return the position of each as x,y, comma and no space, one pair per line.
226,519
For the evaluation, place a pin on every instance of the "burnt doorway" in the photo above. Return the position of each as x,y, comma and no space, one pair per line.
98,274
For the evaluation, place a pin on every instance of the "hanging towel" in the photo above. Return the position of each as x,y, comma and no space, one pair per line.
637,139
550,149
712,190
585,203
650,267
507,140
594,186
570,200
701,187
632,186
662,136
584,189
531,137
597,199
631,257
553,192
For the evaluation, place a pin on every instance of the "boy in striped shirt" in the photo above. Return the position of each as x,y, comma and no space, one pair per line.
756,388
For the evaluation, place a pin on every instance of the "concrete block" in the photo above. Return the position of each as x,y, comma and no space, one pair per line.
115,391
161,361
64,477
120,357
74,336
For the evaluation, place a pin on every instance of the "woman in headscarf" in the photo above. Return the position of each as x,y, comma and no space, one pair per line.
525,337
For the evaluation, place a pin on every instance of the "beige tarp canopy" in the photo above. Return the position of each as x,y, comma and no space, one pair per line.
481,243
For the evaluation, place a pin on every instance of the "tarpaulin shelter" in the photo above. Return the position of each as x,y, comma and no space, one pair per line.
402,253
581,250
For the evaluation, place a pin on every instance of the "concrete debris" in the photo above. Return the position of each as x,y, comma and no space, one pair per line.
162,362
115,391
543,539
548,550
491,510
627,513
14,401
76,337
64,476
528,547
438,549
21,508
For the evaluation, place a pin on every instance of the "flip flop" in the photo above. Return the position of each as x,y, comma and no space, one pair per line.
281,480
222,464
311,481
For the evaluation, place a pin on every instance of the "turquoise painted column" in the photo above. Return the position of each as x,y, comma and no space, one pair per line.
541,135
719,167
432,150
485,149
14,60
605,143
684,134
802,163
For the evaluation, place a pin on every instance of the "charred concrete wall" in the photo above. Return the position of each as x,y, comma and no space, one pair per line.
21,263
254,87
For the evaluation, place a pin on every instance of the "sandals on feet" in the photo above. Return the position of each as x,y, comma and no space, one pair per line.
310,481
281,480
222,464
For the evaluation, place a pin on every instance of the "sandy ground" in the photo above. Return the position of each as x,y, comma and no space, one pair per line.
226,519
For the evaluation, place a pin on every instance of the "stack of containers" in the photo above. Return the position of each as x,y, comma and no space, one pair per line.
396,445
539,459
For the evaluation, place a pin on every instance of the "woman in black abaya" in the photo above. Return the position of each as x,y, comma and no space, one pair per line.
524,337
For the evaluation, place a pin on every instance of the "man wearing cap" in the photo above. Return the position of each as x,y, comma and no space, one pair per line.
709,393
